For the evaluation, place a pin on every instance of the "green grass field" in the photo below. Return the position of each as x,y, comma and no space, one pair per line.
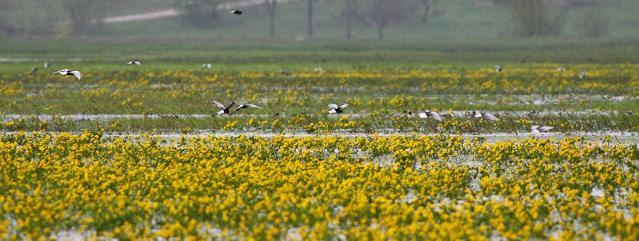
294,83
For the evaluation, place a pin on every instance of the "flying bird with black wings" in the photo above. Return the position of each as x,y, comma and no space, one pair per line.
224,110
335,109
65,72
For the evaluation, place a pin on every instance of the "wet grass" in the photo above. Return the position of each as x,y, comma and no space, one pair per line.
299,81
323,124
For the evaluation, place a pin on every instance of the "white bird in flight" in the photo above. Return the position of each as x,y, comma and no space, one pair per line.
69,72
432,114
582,74
207,66
538,129
134,62
244,106
335,109
484,115
224,110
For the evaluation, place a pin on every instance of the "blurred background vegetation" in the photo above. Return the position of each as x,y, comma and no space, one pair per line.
301,20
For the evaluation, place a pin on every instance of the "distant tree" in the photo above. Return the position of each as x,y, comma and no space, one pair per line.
4,19
271,7
309,18
428,6
351,14
29,17
200,13
537,17
348,12
383,13
593,22
87,16
102,9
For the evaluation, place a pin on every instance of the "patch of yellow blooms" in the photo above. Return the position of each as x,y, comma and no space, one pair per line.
315,188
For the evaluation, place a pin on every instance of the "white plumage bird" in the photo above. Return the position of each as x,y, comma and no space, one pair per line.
75,73
432,114
538,129
244,106
499,68
134,62
207,66
224,110
335,109
582,74
484,115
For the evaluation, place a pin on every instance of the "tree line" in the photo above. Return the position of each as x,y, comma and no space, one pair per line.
379,13
51,17
86,17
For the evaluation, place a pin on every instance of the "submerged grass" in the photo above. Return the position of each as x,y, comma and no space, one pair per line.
325,124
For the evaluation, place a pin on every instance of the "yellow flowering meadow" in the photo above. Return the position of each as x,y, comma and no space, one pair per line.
315,188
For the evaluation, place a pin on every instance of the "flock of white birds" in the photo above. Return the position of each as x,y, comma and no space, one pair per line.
333,108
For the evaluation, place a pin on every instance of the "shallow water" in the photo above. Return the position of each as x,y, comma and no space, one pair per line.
600,137
453,114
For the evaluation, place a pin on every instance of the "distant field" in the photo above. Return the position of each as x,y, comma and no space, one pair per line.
23,54
296,82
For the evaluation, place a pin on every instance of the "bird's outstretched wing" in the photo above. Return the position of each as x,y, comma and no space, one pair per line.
77,74
547,128
62,71
436,116
491,117
332,106
218,104
253,106
343,106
